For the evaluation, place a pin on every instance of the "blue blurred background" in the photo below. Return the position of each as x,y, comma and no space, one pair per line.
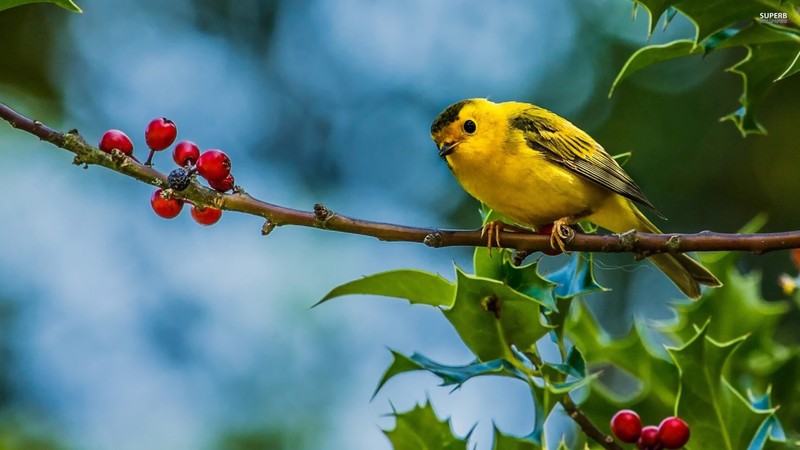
121,330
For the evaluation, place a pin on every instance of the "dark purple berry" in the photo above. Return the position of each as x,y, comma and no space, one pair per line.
179,179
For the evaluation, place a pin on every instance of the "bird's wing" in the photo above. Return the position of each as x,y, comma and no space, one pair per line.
566,145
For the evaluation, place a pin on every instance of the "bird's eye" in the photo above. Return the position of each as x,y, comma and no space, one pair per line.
469,126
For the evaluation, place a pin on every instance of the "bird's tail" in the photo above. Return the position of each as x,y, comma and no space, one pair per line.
621,215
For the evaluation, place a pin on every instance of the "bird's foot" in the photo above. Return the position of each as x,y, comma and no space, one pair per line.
561,234
492,229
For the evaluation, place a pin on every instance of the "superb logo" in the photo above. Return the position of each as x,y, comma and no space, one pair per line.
774,17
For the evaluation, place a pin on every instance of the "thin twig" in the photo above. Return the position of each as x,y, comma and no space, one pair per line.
574,413
641,244
586,424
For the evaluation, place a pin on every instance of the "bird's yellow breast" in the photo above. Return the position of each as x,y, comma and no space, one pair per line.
521,184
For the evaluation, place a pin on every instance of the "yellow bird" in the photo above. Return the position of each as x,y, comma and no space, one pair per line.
537,168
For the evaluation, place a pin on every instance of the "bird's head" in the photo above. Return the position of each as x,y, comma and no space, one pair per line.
461,123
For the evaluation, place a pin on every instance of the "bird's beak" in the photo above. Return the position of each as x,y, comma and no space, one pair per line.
447,148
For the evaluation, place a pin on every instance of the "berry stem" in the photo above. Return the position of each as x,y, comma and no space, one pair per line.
586,424
149,162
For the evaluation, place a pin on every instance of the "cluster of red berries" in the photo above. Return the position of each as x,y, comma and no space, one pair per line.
213,165
672,433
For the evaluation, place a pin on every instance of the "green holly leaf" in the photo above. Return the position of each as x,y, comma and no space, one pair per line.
736,309
710,16
450,375
655,8
574,365
490,264
564,377
768,60
757,33
718,415
507,442
786,389
630,353
793,68
717,39
66,4
789,444
420,429
771,430
524,279
773,53
564,387
651,392
647,56
528,281
576,277
551,382
416,286
671,13
490,317
557,317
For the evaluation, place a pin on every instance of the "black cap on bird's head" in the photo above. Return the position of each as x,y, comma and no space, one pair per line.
446,117
444,135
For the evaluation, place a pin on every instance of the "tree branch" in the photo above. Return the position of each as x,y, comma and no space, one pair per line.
642,244
586,424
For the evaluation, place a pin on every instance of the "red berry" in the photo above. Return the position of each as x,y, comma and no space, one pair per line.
223,185
626,426
160,133
548,230
206,215
168,208
186,153
115,139
673,432
213,165
649,438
